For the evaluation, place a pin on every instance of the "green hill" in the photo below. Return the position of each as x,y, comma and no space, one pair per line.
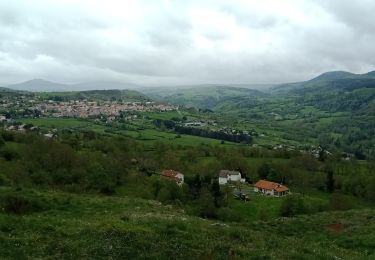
337,92
115,94
4,89
337,81
37,85
202,97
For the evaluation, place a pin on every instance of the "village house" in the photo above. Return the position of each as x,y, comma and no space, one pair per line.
271,188
226,176
173,176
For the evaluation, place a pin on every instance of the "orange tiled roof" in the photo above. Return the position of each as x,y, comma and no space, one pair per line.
269,185
169,173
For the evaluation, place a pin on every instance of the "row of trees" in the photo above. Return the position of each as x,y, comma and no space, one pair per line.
220,135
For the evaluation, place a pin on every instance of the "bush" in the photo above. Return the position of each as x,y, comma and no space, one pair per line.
9,153
340,202
206,205
4,180
16,204
168,192
2,142
108,189
226,214
7,136
291,206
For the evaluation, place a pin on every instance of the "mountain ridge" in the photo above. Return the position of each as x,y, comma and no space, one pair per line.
333,79
337,80
42,85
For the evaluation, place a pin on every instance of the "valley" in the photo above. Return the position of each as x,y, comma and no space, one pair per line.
85,167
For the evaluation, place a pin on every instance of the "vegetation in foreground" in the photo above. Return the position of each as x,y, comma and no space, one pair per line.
92,226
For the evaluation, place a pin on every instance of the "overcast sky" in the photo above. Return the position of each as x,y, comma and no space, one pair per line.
183,42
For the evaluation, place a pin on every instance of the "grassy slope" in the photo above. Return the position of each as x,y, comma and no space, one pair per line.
145,135
90,226
202,97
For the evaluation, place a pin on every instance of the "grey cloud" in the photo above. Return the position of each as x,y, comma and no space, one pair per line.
250,17
160,42
359,15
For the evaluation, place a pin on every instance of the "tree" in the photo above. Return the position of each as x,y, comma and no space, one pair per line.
206,205
2,142
330,181
274,176
217,194
263,171
195,186
340,202
291,206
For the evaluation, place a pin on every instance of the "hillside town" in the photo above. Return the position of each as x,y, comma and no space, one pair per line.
85,109
79,108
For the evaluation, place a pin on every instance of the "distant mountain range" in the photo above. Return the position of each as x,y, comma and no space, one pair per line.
337,81
42,85
5,89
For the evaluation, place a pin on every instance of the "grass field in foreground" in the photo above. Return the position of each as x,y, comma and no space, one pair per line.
77,226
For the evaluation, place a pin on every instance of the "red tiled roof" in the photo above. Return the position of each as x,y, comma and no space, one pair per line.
269,185
170,174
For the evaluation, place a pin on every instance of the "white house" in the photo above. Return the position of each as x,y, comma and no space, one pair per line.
226,176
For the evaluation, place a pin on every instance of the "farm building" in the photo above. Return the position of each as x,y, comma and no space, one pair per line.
226,176
271,188
173,175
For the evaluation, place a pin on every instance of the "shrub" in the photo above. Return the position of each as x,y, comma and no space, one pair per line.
3,180
206,205
16,204
291,206
2,142
340,202
9,153
108,189
7,136
226,214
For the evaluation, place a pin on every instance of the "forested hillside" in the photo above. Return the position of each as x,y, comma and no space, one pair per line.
103,95
335,110
205,97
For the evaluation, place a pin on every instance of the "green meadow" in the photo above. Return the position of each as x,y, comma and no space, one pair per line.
72,226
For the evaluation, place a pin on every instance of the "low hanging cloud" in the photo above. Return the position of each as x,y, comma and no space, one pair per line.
184,42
